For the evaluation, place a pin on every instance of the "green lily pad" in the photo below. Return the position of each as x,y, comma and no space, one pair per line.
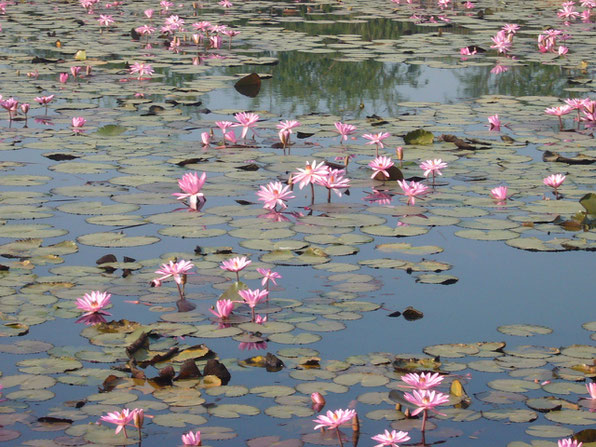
524,330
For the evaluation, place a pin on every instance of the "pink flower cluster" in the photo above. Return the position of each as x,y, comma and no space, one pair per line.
585,108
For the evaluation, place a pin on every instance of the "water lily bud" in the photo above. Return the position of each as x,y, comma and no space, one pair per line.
138,417
355,423
317,398
399,152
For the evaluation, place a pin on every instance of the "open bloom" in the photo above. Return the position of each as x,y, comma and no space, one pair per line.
312,173
554,180
499,193
120,418
335,180
192,184
422,381
425,400
287,125
247,121
192,438
273,194
376,138
494,123
412,190
223,309
105,20
44,100
391,439
569,443
253,296
502,42
380,164
558,111
175,270
268,275
141,70
334,419
344,130
433,167
94,302
591,389
235,264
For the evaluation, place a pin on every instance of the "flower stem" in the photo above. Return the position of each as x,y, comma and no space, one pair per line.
339,436
423,422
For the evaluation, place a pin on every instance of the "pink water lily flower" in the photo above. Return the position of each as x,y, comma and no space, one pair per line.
312,173
192,184
260,319
391,439
247,121
423,381
235,265
75,70
569,443
273,194
412,190
77,124
225,3
176,270
94,302
268,275
554,180
288,125
252,297
344,130
105,20
502,42
120,418
433,167
499,193
559,111
206,138
44,100
510,28
376,139
591,389
192,438
494,123
223,309
426,400
63,77
380,164
334,419
141,69
335,181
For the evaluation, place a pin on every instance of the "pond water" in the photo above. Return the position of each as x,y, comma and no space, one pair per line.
502,290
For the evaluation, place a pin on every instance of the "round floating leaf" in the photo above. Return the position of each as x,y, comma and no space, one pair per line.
549,431
288,412
580,351
564,388
233,410
513,385
119,239
531,352
180,420
455,350
321,387
431,278
524,330
571,417
228,391
48,365
459,414
544,404
510,415
363,379
299,339
272,391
